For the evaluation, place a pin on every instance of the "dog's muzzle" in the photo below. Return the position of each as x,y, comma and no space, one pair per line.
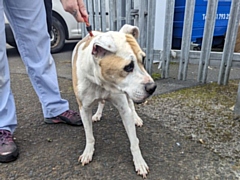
150,88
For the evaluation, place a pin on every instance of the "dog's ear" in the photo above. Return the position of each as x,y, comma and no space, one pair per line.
129,29
103,44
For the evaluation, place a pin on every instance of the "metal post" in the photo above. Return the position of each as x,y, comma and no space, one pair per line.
229,44
142,23
91,13
119,15
167,42
128,11
103,15
150,35
112,14
207,40
186,39
96,15
83,25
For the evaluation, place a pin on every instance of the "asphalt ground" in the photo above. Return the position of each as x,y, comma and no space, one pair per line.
52,151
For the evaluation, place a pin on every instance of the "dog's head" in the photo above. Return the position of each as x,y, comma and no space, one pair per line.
121,63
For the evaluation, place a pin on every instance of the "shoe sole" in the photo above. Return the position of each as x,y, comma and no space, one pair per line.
52,121
10,157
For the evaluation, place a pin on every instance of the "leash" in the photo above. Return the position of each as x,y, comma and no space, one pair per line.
88,26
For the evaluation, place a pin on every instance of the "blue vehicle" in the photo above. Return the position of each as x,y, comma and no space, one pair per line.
222,17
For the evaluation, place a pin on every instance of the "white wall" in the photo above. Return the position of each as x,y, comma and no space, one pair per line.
159,24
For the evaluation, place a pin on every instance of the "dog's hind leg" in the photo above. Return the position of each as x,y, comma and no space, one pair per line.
138,121
126,113
86,115
97,116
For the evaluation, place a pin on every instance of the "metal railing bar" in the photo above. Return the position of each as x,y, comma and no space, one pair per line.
186,39
207,40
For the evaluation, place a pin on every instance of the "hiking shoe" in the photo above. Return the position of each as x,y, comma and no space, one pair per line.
68,117
8,149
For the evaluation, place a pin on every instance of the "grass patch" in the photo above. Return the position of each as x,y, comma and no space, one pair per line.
156,76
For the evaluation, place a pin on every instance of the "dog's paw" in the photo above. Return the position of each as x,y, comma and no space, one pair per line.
138,121
141,167
96,117
86,157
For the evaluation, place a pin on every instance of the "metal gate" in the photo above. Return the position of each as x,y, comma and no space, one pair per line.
107,15
225,59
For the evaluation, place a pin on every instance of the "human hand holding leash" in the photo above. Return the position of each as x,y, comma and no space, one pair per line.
76,8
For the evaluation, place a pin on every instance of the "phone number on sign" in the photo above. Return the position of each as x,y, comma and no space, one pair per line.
218,16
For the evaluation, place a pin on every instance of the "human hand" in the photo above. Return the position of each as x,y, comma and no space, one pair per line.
76,8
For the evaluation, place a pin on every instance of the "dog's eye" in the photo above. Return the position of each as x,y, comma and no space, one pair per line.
129,67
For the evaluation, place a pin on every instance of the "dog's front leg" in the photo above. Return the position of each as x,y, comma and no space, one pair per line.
86,115
127,115
138,121
97,116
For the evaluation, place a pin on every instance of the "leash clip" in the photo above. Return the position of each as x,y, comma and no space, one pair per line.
88,26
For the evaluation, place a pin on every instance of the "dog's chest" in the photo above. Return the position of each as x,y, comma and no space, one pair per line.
101,93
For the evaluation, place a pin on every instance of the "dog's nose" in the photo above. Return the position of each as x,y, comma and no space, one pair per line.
150,87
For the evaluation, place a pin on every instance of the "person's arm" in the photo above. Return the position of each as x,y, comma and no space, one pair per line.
76,8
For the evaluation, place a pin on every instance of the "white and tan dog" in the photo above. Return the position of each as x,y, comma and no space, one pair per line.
109,66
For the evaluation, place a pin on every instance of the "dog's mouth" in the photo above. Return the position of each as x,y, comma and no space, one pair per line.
136,100
139,102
